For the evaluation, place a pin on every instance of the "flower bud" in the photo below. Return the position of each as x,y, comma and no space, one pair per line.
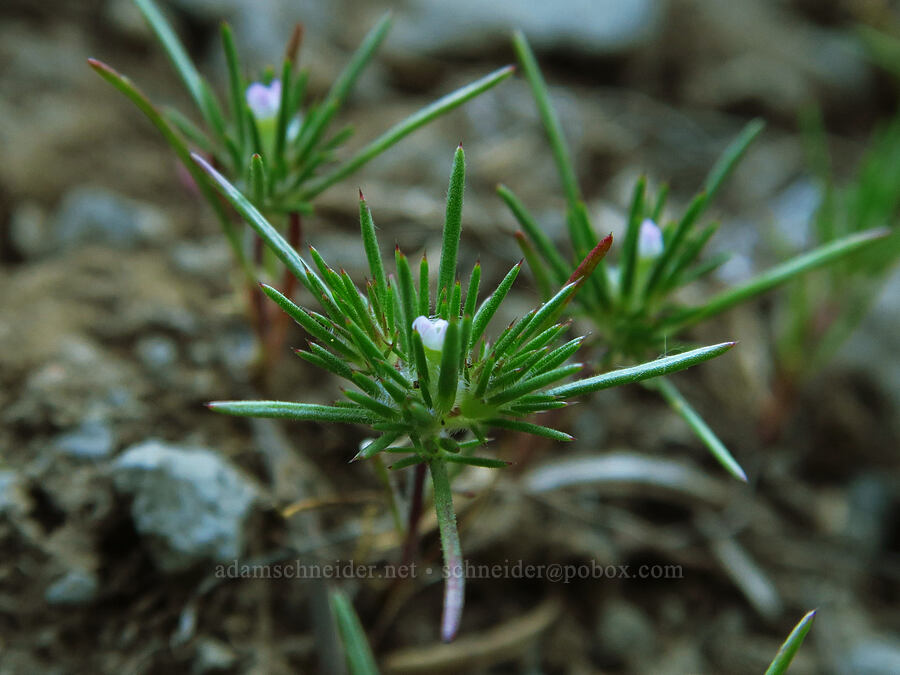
650,240
432,331
264,100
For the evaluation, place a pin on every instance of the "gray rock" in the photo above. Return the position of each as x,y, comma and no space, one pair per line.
237,348
190,502
210,259
157,352
794,211
75,587
89,214
92,440
588,26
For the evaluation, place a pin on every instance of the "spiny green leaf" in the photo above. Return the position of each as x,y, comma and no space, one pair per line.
672,246
778,275
452,224
535,264
360,660
175,51
258,179
404,128
294,411
424,288
485,462
376,446
136,96
644,371
628,263
279,246
528,428
541,241
236,88
449,375
549,118
789,649
370,243
732,155
699,426
489,306
534,383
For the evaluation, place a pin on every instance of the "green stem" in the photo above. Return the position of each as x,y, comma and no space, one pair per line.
454,586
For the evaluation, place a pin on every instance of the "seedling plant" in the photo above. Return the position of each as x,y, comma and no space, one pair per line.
423,371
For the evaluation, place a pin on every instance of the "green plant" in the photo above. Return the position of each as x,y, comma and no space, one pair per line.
425,373
634,306
269,139
820,317
360,660
788,650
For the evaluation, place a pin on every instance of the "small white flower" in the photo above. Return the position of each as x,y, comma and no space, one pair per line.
650,240
432,332
264,100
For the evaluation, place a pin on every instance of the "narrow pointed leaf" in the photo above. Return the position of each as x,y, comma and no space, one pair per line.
236,88
489,306
534,383
418,350
486,462
644,371
407,295
278,244
535,264
541,241
360,660
732,155
294,411
407,461
778,275
680,405
673,245
528,428
404,128
376,446
788,650
370,243
258,179
628,263
448,379
136,96
549,118
175,51
424,288
452,224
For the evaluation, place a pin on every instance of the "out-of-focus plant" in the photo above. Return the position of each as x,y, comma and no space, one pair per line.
634,305
360,660
788,650
423,371
269,138
823,313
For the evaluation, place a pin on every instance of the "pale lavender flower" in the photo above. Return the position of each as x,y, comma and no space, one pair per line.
650,240
432,331
264,100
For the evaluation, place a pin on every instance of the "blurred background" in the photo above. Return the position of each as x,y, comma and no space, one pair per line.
119,317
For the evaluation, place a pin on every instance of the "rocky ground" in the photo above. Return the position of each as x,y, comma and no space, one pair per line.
120,492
